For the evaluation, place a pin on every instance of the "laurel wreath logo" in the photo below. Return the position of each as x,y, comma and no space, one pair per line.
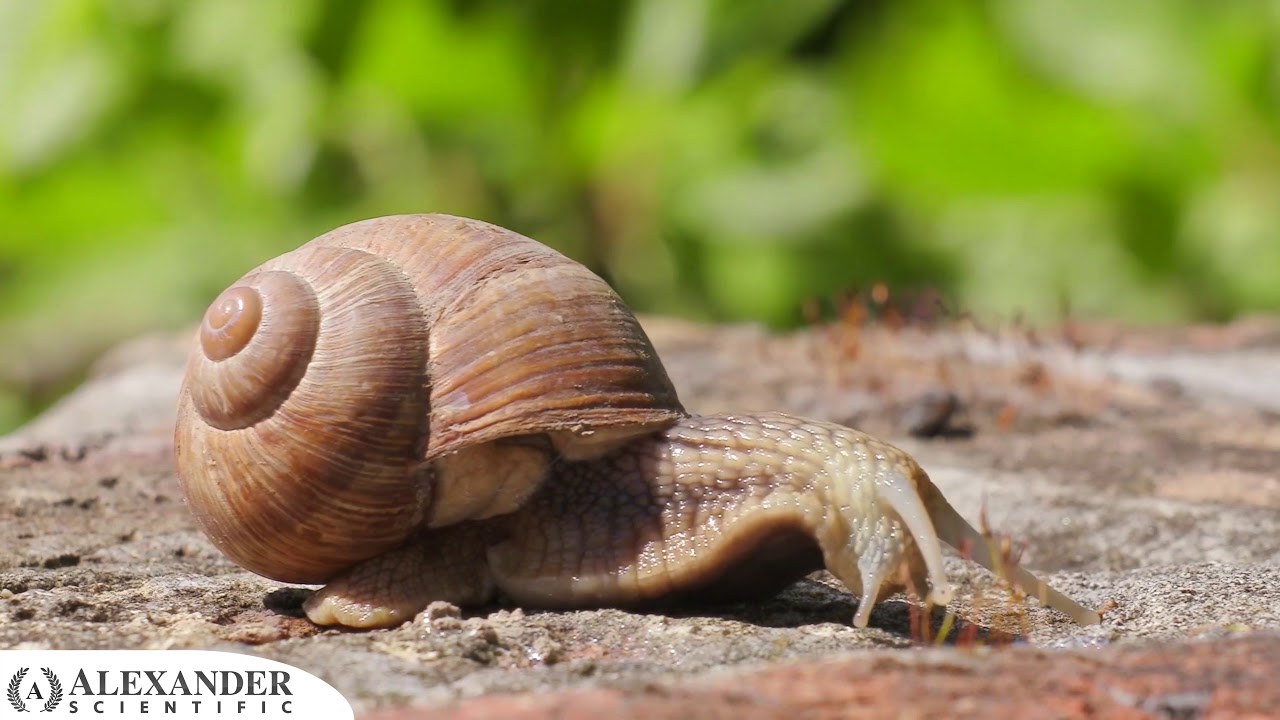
55,690
14,698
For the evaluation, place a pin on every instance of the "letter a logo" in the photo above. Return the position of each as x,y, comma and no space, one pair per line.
14,691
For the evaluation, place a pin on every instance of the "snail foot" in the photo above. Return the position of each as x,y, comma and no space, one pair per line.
447,564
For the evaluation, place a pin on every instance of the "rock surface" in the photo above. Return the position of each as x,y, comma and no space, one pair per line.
1139,471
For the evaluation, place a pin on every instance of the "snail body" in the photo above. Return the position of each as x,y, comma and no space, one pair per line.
424,407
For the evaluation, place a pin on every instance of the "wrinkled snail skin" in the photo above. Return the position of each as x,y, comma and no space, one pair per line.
713,507
420,408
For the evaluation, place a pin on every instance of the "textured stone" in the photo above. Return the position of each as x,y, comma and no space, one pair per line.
1229,678
1136,470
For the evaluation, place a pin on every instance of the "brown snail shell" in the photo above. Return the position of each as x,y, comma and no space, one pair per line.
331,389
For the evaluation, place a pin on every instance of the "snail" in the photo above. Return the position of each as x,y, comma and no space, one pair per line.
425,407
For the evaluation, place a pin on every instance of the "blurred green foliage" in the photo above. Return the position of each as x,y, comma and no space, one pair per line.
721,159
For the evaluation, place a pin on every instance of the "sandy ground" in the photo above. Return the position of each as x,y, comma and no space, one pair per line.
1140,471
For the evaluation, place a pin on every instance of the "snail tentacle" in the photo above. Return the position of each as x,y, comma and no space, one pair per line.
958,533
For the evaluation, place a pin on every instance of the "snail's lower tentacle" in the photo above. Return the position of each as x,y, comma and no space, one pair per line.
446,564
724,507
961,535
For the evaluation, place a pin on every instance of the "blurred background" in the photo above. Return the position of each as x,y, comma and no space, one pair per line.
714,159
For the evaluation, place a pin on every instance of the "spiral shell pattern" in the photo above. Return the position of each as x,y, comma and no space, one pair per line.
325,388
256,340
298,452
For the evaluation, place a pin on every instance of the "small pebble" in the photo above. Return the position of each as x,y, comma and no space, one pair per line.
440,609
933,414
440,616
546,651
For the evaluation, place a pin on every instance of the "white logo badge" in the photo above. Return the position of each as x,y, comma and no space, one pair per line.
166,683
